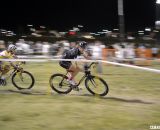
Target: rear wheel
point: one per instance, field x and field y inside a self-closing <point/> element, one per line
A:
<point x="96" y="86"/>
<point x="23" y="80"/>
<point x="59" y="83"/>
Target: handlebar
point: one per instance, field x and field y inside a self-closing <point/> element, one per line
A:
<point x="22" y="62"/>
<point x="19" y="64"/>
<point x="86" y="67"/>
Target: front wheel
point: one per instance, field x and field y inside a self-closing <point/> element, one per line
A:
<point x="96" y="86"/>
<point x="23" y="80"/>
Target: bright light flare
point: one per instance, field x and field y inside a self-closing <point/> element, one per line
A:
<point x="158" y="1"/>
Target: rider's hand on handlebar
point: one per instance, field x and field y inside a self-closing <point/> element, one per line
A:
<point x="16" y="66"/>
<point x="23" y="62"/>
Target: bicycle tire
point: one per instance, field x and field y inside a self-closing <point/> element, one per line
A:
<point x="56" y="86"/>
<point x="91" y="83"/>
<point x="16" y="81"/>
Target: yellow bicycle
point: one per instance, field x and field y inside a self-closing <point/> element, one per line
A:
<point x="20" y="78"/>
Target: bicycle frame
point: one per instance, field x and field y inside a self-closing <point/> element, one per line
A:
<point x="87" y="73"/>
<point x="15" y="70"/>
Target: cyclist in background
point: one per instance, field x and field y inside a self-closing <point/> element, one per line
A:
<point x="72" y="54"/>
<point x="9" y="53"/>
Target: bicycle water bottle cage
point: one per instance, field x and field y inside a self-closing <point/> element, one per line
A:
<point x="86" y="67"/>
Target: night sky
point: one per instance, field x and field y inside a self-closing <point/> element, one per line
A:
<point x="62" y="15"/>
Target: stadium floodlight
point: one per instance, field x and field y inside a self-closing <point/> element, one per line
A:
<point x="71" y="30"/>
<point x="141" y="31"/>
<point x="148" y="29"/>
<point x="116" y="29"/>
<point x="104" y="30"/>
<point x="32" y="29"/>
<point x="76" y="29"/>
<point x="92" y="33"/>
<point x="97" y="34"/>
<point x="109" y="31"/>
<point x="43" y="27"/>
<point x="100" y="32"/>
<point x="24" y="36"/>
<point x="80" y="26"/>
<point x="156" y="31"/>
<point x="29" y="25"/>
<point x="3" y="32"/>
<point x="63" y="33"/>
<point x="157" y="23"/>
<point x="158" y="2"/>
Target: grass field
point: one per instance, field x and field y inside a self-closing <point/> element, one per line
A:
<point x="131" y="104"/>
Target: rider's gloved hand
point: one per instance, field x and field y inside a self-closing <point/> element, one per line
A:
<point x="16" y="67"/>
<point x="23" y="62"/>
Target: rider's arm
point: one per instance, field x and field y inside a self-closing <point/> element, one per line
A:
<point x="15" y="57"/>
<point x="86" y="55"/>
<point x="11" y="63"/>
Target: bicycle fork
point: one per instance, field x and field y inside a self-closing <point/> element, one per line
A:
<point x="20" y="75"/>
<point x="93" y="82"/>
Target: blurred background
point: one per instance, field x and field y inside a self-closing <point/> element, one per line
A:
<point x="122" y="30"/>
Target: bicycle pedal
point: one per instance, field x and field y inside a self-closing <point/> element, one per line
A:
<point x="3" y="82"/>
<point x="75" y="88"/>
<point x="80" y="89"/>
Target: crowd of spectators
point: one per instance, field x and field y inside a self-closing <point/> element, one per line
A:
<point x="95" y="48"/>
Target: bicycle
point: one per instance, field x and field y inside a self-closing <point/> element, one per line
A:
<point x="58" y="82"/>
<point x="20" y="79"/>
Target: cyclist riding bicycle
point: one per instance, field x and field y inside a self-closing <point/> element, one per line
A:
<point x="72" y="54"/>
<point x="9" y="53"/>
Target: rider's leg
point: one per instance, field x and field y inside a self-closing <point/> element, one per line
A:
<point x="5" y="70"/>
<point x="73" y="70"/>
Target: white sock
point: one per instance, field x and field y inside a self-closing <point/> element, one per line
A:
<point x="2" y="77"/>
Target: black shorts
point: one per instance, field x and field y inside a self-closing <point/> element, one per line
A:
<point x="65" y="64"/>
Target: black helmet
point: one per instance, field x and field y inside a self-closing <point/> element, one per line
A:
<point x="83" y="44"/>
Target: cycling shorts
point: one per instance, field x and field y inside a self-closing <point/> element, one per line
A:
<point x="65" y="64"/>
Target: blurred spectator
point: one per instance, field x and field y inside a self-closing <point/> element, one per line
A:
<point x="54" y="48"/>
<point x="66" y="45"/>
<point x="110" y="53"/>
<point x="72" y="44"/>
<point x="45" y="48"/>
<point x="97" y="54"/>
<point x="142" y="50"/>
<point x="38" y="47"/>
<point x="97" y="50"/>
<point x="2" y="45"/>
<point x="155" y="51"/>
<point x="26" y="48"/>
<point x="120" y="51"/>
<point x="19" y="46"/>
<point x="130" y="53"/>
